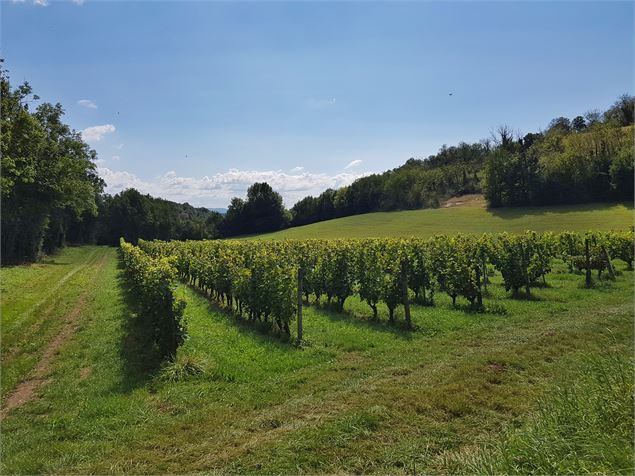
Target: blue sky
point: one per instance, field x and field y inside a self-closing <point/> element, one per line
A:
<point x="196" y="100"/>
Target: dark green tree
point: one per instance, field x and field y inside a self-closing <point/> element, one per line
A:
<point x="578" y="124"/>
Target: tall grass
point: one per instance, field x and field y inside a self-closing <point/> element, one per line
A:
<point x="585" y="426"/>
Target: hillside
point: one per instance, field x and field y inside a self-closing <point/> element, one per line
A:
<point x="471" y="217"/>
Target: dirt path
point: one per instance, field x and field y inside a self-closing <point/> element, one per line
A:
<point x="469" y="200"/>
<point x="52" y="291"/>
<point x="26" y="390"/>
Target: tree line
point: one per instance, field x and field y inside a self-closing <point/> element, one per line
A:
<point x="49" y="181"/>
<point x="586" y="159"/>
<point x="52" y="195"/>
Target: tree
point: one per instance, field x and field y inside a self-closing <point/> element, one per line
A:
<point x="578" y="124"/>
<point x="561" y="123"/>
<point x="621" y="113"/>
<point x="48" y="175"/>
<point x="503" y="137"/>
<point x="593" y="117"/>
<point x="263" y="211"/>
<point x="621" y="171"/>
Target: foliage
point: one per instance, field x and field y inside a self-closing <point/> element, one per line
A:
<point x="258" y="279"/>
<point x="262" y="211"/>
<point x="152" y="280"/>
<point x="133" y="216"/>
<point x="49" y="183"/>
<point x="416" y="184"/>
<point x="570" y="162"/>
<point x="451" y="386"/>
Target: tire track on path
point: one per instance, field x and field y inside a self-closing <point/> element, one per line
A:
<point x="60" y="283"/>
<point x="26" y="390"/>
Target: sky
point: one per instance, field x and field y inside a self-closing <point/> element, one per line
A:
<point x="196" y="100"/>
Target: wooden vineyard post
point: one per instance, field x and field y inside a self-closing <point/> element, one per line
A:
<point x="608" y="262"/>
<point x="300" y="304"/>
<point x="479" y="294"/>
<point x="485" y="277"/>
<point x="404" y="293"/>
<point x="587" y="263"/>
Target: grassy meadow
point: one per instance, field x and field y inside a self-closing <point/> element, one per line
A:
<point x="469" y="218"/>
<point x="530" y="386"/>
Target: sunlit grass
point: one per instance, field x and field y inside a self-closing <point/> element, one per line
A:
<point x="468" y="219"/>
<point x="359" y="397"/>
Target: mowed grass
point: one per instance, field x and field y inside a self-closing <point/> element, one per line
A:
<point x="471" y="218"/>
<point x="359" y="397"/>
<point x="33" y="302"/>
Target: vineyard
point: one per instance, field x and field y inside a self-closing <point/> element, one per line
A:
<point x="240" y="397"/>
<point x="269" y="282"/>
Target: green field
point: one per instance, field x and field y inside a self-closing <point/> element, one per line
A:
<point x="467" y="219"/>
<point x="536" y="386"/>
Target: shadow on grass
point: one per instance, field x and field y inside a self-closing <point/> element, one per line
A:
<point x="140" y="355"/>
<point x="397" y="328"/>
<point x="510" y="213"/>
<point x="263" y="332"/>
<point x="523" y="296"/>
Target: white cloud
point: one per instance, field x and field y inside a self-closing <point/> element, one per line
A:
<point x="318" y="104"/>
<point x="119" y="146"/>
<point x="78" y="2"/>
<point x="217" y="190"/>
<point x="87" y="103"/>
<point x="41" y="3"/>
<point x="115" y="157"/>
<point x="352" y="164"/>
<point x="296" y="169"/>
<point x="97" y="133"/>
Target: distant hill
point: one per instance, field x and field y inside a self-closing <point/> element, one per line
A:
<point x="222" y="211"/>
<point x="471" y="217"/>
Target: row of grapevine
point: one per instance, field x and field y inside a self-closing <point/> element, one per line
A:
<point x="254" y="282"/>
<point x="258" y="279"/>
<point x="153" y="282"/>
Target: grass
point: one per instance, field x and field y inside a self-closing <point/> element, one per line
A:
<point x="359" y="397"/>
<point x="34" y="299"/>
<point x="471" y="218"/>
<point x="583" y="427"/>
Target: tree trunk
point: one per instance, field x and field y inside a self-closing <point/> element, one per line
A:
<point x="374" y="308"/>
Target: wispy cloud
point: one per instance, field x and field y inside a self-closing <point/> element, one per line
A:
<point x="97" y="133"/>
<point x="87" y="103"/>
<point x="118" y="146"/>
<point x="318" y="104"/>
<point x="217" y="190"/>
<point x="45" y="3"/>
<point x="296" y="169"/>
<point x="352" y="164"/>
<point x="116" y="157"/>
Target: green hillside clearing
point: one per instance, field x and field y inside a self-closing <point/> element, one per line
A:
<point x="472" y="217"/>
